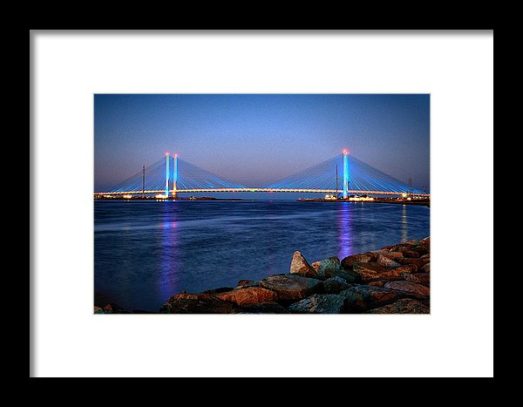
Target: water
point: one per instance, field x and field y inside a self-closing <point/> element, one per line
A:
<point x="147" y="251"/>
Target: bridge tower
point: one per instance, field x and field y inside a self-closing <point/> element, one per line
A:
<point x="345" y="173"/>
<point x="167" y="174"/>
<point x="175" y="173"/>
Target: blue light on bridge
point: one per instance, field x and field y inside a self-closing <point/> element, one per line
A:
<point x="345" y="173"/>
<point x="167" y="174"/>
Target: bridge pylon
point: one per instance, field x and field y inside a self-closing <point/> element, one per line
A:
<point x="345" y="173"/>
<point x="175" y="175"/>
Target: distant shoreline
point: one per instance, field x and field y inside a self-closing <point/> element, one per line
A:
<point x="376" y="200"/>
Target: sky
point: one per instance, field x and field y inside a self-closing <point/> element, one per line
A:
<point x="256" y="139"/>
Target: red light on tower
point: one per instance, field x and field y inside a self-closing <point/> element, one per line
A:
<point x="167" y="153"/>
<point x="175" y="155"/>
<point x="345" y="151"/>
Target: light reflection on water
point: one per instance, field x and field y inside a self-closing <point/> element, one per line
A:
<point x="168" y="263"/>
<point x="344" y="229"/>
<point x="404" y="224"/>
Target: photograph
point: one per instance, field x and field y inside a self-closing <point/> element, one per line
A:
<point x="262" y="203"/>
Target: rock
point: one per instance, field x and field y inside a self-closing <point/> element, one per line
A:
<point x="386" y="262"/>
<point x="265" y="308"/>
<point x="409" y="288"/>
<point x="349" y="276"/>
<point x="113" y="309"/>
<point x="98" y="310"/>
<point x="247" y="283"/>
<point x="291" y="286"/>
<point x="377" y="283"/>
<point x="347" y="262"/>
<point x="425" y="241"/>
<point x="300" y="266"/>
<point x="421" y="249"/>
<point x="334" y="285"/>
<point x="362" y="297"/>
<point x="396" y="273"/>
<point x="402" y="306"/>
<point x="407" y="268"/>
<point x="426" y="268"/>
<point x="319" y="304"/>
<point x="197" y="304"/>
<point x="368" y="271"/>
<point x="327" y="267"/>
<point x="218" y="290"/>
<point x="411" y="253"/>
<point x="248" y="296"/>
<point x="419" y="263"/>
<point x="393" y="254"/>
<point x="420" y="278"/>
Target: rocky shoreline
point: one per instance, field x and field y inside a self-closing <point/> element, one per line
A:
<point x="392" y="280"/>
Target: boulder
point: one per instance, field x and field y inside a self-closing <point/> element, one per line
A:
<point x="247" y="283"/>
<point x="411" y="253"/>
<point x="349" y="276"/>
<point x="377" y="283"/>
<point x="402" y="306"/>
<point x="248" y="296"/>
<point x="393" y="254"/>
<point x="197" y="304"/>
<point x="385" y="261"/>
<point x="98" y="310"/>
<point x="291" y="286"/>
<point x="348" y="261"/>
<point x="368" y="271"/>
<point x="300" y="266"/>
<point x="265" y="308"/>
<point x="421" y="249"/>
<point x="426" y="268"/>
<point x="420" y="278"/>
<point x="326" y="267"/>
<point x="409" y="288"/>
<point x="359" y="298"/>
<point x="419" y="263"/>
<point x="334" y="285"/>
<point x="396" y="273"/>
<point x="319" y="304"/>
<point x="407" y="268"/>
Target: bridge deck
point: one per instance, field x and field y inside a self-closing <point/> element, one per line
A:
<point x="295" y="190"/>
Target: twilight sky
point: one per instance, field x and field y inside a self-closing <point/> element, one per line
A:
<point x="254" y="139"/>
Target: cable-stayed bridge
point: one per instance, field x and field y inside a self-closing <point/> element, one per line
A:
<point x="342" y="174"/>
